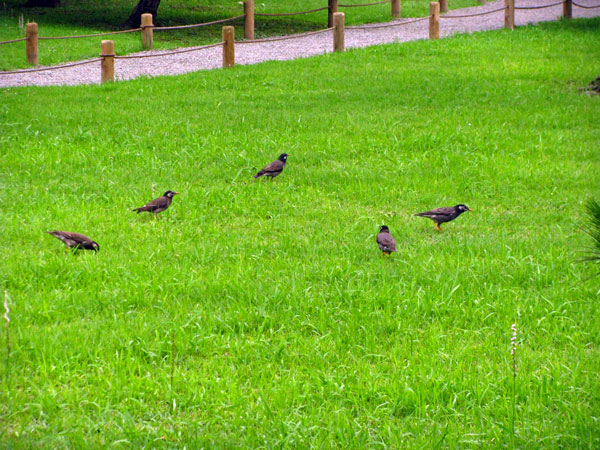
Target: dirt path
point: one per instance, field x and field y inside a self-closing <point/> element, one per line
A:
<point x="253" y="53"/>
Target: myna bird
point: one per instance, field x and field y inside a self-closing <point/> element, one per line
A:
<point x="75" y="240"/>
<point x="158" y="204"/>
<point x="273" y="169"/>
<point x="443" y="215"/>
<point x="386" y="242"/>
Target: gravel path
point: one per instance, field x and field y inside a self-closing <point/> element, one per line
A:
<point x="253" y="53"/>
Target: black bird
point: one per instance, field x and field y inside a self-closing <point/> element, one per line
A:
<point x="273" y="169"/>
<point x="75" y="240"/>
<point x="443" y="215"/>
<point x="158" y="204"/>
<point x="386" y="242"/>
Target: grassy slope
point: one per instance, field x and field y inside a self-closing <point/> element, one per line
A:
<point x="76" y="17"/>
<point x="290" y="330"/>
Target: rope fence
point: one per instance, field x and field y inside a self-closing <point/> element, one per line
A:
<point x="292" y="13"/>
<point x="336" y="19"/>
<point x="43" y="69"/>
<point x="284" y="38"/>
<point x="585" y="7"/>
<point x="108" y="33"/>
<point x="230" y="19"/>
<point x="387" y="25"/>
<point x="539" y="7"/>
<point x="14" y="40"/>
<point x="475" y="14"/>
<point x="197" y="25"/>
<point x="174" y="52"/>
<point x="131" y="30"/>
<point x="364" y="4"/>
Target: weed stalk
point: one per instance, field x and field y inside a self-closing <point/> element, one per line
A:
<point x="513" y="351"/>
<point x="172" y="361"/>
<point x="7" y="325"/>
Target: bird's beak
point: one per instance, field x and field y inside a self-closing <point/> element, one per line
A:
<point x="471" y="210"/>
<point x="177" y="193"/>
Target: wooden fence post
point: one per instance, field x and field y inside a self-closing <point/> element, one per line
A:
<point x="249" y="19"/>
<point x="228" y="46"/>
<point x="333" y="8"/>
<point x="434" y="20"/>
<point x="147" y="31"/>
<point x="443" y="6"/>
<point x="32" y="43"/>
<point x="396" y="9"/>
<point x="509" y="14"/>
<point x="107" y="65"/>
<point x="338" y="32"/>
<point x="568" y="9"/>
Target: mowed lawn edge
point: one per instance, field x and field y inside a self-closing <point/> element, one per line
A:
<point x="261" y="314"/>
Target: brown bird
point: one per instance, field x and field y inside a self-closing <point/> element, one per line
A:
<point x="158" y="204"/>
<point x="75" y="240"/>
<point x="274" y="168"/>
<point x="445" y="214"/>
<point x="386" y="242"/>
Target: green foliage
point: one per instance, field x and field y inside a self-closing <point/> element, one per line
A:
<point x="77" y="17"/>
<point x="290" y="329"/>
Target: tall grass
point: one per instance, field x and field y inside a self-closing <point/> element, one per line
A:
<point x="291" y="331"/>
<point x="7" y="328"/>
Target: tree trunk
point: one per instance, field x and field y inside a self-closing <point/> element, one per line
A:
<point x="143" y="7"/>
<point x="45" y="3"/>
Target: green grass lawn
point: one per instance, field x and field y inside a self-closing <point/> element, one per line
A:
<point x="261" y="314"/>
<point x="77" y="17"/>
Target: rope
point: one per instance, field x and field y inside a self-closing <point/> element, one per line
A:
<point x="292" y="14"/>
<point x="364" y="4"/>
<point x="80" y="63"/>
<point x="395" y="24"/>
<point x="45" y="38"/>
<point x="283" y="38"/>
<point x="174" y="52"/>
<point x="538" y="7"/>
<point x="586" y="7"/>
<point x="196" y="25"/>
<point x="473" y="15"/>
<point x="14" y="40"/>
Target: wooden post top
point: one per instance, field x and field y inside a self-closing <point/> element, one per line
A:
<point x="107" y="48"/>
<point x="146" y="20"/>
